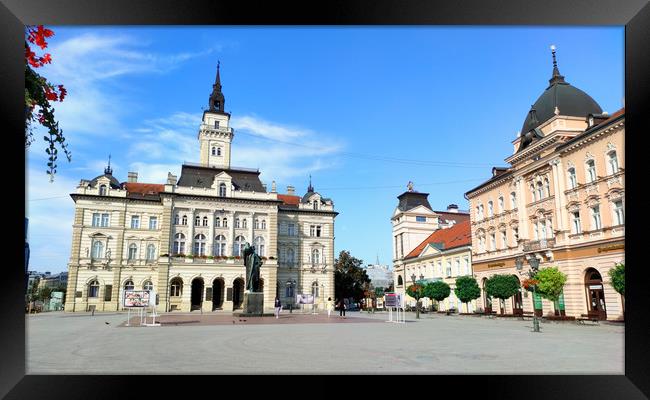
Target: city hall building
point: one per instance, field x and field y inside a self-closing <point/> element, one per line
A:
<point x="184" y="238"/>
<point x="560" y="203"/>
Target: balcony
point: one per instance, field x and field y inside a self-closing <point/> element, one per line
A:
<point x="536" y="245"/>
<point x="211" y="128"/>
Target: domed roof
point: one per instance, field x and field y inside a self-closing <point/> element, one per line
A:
<point x="568" y="100"/>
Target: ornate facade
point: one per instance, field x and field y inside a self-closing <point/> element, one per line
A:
<point x="184" y="238"/>
<point x="559" y="203"/>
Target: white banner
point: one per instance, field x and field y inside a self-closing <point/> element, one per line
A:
<point x="305" y="299"/>
<point x="137" y="298"/>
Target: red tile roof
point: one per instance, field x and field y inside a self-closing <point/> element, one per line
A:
<point x="456" y="236"/>
<point x="144" y="188"/>
<point x="289" y="199"/>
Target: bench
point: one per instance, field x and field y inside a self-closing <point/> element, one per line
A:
<point x="587" y="318"/>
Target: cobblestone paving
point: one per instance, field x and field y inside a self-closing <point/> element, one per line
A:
<point x="59" y="343"/>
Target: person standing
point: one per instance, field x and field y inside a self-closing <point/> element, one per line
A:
<point x="278" y="306"/>
<point x="342" y="308"/>
<point x="330" y="306"/>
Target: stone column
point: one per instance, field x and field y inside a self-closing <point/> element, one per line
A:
<point x="166" y="227"/>
<point x="190" y="233"/>
<point x="210" y="243"/>
<point x="231" y="235"/>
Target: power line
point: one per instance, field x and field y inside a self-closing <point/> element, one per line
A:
<point x="399" y="186"/>
<point x="48" y="198"/>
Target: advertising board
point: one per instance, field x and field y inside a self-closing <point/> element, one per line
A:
<point x="137" y="298"/>
<point x="304" y="299"/>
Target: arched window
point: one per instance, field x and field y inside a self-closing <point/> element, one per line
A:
<point x="151" y="252"/>
<point x="513" y="200"/>
<point x="263" y="224"/>
<point x="315" y="204"/>
<point x="98" y="249"/>
<point x="217" y="222"/>
<point x="501" y="205"/>
<point x="179" y="243"/>
<point x="225" y="222"/>
<point x="176" y="287"/>
<point x="259" y="246"/>
<point x="205" y="221"/>
<point x="290" y="255"/>
<point x="128" y="285"/>
<point x="102" y="190"/>
<point x="244" y="223"/>
<point x="540" y="190"/>
<point x="93" y="288"/>
<point x="533" y="195"/>
<point x="238" y="247"/>
<point x="573" y="182"/>
<point x="490" y="208"/>
<point x="133" y="251"/>
<point x="612" y="162"/>
<point x="220" y="245"/>
<point x="197" y="221"/>
<point x="176" y="219"/>
<point x="184" y="220"/>
<point x="199" y="245"/>
<point x="315" y="256"/>
<point x="214" y="151"/>
<point x="237" y="224"/>
<point x="218" y="151"/>
<point x="147" y="285"/>
<point x="256" y="223"/>
<point x="314" y="289"/>
<point x="547" y="187"/>
<point x="222" y="189"/>
<point x="591" y="171"/>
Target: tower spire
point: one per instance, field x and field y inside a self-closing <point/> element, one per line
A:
<point x="310" y="188"/>
<point x="557" y="77"/>
<point x="108" y="170"/>
<point x="217" y="100"/>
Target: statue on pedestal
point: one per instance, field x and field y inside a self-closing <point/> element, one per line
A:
<point x="253" y="262"/>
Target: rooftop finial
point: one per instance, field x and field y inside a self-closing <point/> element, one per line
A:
<point x="108" y="170"/>
<point x="409" y="186"/>
<point x="310" y="188"/>
<point x="556" y="78"/>
<point x="218" y="81"/>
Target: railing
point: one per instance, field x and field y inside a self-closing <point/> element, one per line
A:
<point x="218" y="129"/>
<point x="539" y="244"/>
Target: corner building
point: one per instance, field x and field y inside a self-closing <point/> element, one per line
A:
<point x="560" y="203"/>
<point x="184" y="238"/>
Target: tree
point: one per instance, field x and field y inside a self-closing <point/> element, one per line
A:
<point x="416" y="291"/>
<point x="550" y="283"/>
<point x="38" y="95"/>
<point x="467" y="289"/>
<point x="502" y="287"/>
<point x="379" y="292"/>
<point x="617" y="274"/>
<point x="349" y="277"/>
<point x="437" y="291"/>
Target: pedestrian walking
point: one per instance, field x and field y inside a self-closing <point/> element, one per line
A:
<point x="278" y="306"/>
<point x="342" y="308"/>
<point x="330" y="306"/>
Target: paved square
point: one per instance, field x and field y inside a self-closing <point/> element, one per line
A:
<point x="59" y="343"/>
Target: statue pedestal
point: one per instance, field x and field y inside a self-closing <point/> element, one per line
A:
<point x="253" y="305"/>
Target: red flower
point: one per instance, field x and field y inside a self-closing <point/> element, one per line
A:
<point x="63" y="92"/>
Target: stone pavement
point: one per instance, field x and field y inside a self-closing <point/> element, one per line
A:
<point x="59" y="343"/>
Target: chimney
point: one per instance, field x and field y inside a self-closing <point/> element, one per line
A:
<point x="291" y="191"/>
<point x="452" y="208"/>
<point x="133" y="177"/>
<point x="171" y="179"/>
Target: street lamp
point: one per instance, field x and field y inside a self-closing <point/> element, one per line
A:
<point x="290" y="286"/>
<point x="534" y="265"/>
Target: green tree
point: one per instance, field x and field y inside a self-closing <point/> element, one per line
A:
<point x="550" y="284"/>
<point x="437" y="291"/>
<point x="349" y="277"/>
<point x="379" y="292"/>
<point x="617" y="274"/>
<point x="416" y="291"/>
<point x="502" y="287"/>
<point x="467" y="289"/>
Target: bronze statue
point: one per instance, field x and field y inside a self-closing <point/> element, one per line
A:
<point x="253" y="262"/>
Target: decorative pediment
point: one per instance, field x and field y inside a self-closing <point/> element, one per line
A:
<point x="592" y="200"/>
<point x="615" y="194"/>
<point x="573" y="206"/>
<point x="589" y="156"/>
<point x="610" y="146"/>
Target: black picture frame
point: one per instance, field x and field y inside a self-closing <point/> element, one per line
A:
<point x="635" y="15"/>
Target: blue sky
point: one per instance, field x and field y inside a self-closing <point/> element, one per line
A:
<point x="363" y="110"/>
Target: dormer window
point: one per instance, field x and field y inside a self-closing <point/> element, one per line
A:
<point x="102" y="190"/>
<point x="591" y="121"/>
<point x="315" y="204"/>
<point x="216" y="123"/>
<point x="222" y="190"/>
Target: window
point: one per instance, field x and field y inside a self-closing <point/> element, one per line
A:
<point x="612" y="162"/>
<point x="540" y="190"/>
<point x="214" y="150"/>
<point x="98" y="249"/>
<point x="128" y="285"/>
<point x="533" y="195"/>
<point x="225" y="222"/>
<point x="504" y="239"/>
<point x="147" y="285"/>
<point x="542" y="229"/>
<point x="291" y="255"/>
<point x="104" y="220"/>
<point x="467" y="269"/>
<point x="197" y="221"/>
<point x="315" y="204"/>
<point x="93" y="289"/>
<point x="536" y="230"/>
<point x="572" y="178"/>
<point x="240" y="242"/>
<point x="222" y="190"/>
<point x="135" y="221"/>
<point x="176" y="287"/>
<point x="591" y="171"/>
<point x="576" y="222"/>
<point x="102" y="190"/>
<point x="179" y="243"/>
<point x="501" y="204"/>
<point x="184" y="220"/>
<point x="263" y="224"/>
<point x="176" y="219"/>
<point x="515" y="235"/>
<point x="478" y="215"/>
<point x="318" y="230"/>
<point x="312" y="230"/>
<point x="314" y="289"/>
<point x="96" y="219"/>
<point x="595" y="218"/>
<point x="289" y="290"/>
<point x="237" y="224"/>
<point x="244" y="223"/>
<point x="216" y="123"/>
<point x="291" y="230"/>
<point x="256" y="223"/>
<point x="480" y="211"/>
<point x="490" y="208"/>
<point x="217" y="222"/>
<point x="547" y="188"/>
<point x="220" y="246"/>
<point x="448" y="269"/>
<point x="513" y="200"/>
<point x="151" y="252"/>
<point x="458" y="266"/>
<point x="205" y="221"/>
<point x="493" y="241"/>
<point x="133" y="251"/>
<point x="199" y="245"/>
<point x="219" y="151"/>
<point x="259" y="246"/>
<point x="619" y="216"/>
<point x="315" y="256"/>
<point x="420" y="218"/>
<point x="153" y="222"/>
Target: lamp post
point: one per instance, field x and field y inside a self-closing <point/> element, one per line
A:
<point x="417" y="306"/>
<point x="534" y="266"/>
<point x="290" y="285"/>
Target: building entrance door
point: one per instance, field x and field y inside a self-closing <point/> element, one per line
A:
<point x="197" y="294"/>
<point x="217" y="294"/>
<point x="595" y="295"/>
<point x="237" y="293"/>
<point x="517" y="302"/>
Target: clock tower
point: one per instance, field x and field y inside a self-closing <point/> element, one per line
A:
<point x="215" y="135"/>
